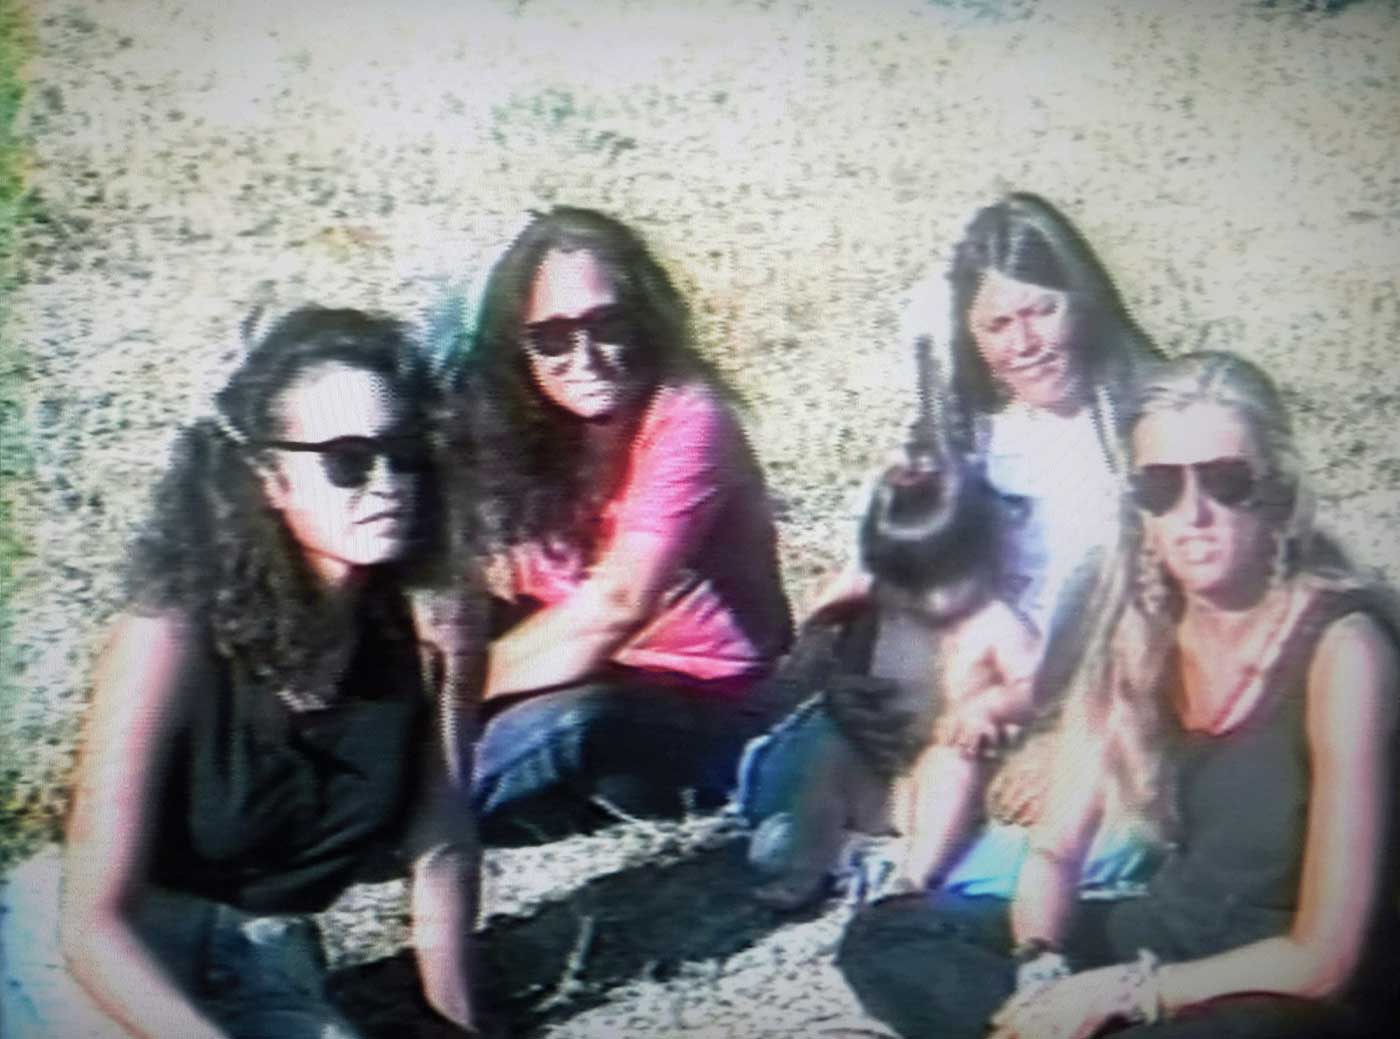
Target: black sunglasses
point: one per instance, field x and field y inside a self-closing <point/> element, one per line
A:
<point x="1227" y="481"/>
<point x="605" y="326"/>
<point x="348" y="461"/>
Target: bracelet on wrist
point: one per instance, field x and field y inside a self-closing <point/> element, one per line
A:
<point x="1140" y="990"/>
<point x="1038" y="965"/>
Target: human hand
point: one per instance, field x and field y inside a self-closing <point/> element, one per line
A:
<point x="1078" y="1006"/>
<point x="973" y="728"/>
<point x="1017" y="793"/>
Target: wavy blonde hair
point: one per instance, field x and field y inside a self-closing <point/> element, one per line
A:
<point x="1119" y="686"/>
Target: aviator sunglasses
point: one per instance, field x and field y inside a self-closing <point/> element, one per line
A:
<point x="608" y="326"/>
<point x="348" y="461"/>
<point x="1230" y="482"/>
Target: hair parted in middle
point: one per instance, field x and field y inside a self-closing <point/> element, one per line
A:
<point x="533" y="479"/>
<point x="1119" y="685"/>
<point x="1024" y="237"/>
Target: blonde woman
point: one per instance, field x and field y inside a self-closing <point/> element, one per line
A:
<point x="1240" y="692"/>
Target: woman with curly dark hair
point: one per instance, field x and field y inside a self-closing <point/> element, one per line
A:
<point x="624" y="517"/>
<point x="261" y="714"/>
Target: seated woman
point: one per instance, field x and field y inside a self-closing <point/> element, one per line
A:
<point x="1240" y="691"/>
<point x="625" y="522"/>
<point x="1043" y="354"/>
<point x="261" y="719"/>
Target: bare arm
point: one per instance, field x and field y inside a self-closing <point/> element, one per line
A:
<point x="990" y="680"/>
<point x="1049" y="876"/>
<point x="1351" y="718"/>
<point x="566" y="641"/>
<point x="120" y="782"/>
<point x="445" y="889"/>
<point x="678" y="475"/>
<point x="446" y="885"/>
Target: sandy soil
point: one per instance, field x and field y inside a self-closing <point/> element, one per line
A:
<point x="798" y="164"/>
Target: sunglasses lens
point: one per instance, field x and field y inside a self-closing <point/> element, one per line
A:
<point x="550" y="338"/>
<point x="1230" y="481"/>
<point x="613" y="329"/>
<point x="557" y="337"/>
<point x="348" y="465"/>
<point x="1157" y="487"/>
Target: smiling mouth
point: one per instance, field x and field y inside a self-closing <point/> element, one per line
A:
<point x="1037" y="364"/>
<point x="1197" y="549"/>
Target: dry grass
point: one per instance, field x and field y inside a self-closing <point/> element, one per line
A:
<point x="799" y="164"/>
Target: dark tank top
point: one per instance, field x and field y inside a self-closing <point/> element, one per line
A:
<point x="1234" y="878"/>
<point x="275" y="811"/>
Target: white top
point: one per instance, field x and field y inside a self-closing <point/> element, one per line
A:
<point x="1056" y="466"/>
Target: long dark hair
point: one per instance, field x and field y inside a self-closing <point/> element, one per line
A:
<point x="215" y="550"/>
<point x="533" y="478"/>
<point x="1026" y="238"/>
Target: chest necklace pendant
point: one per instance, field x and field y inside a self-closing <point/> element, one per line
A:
<point x="1225" y="716"/>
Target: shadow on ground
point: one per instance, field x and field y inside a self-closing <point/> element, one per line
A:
<point x="643" y="922"/>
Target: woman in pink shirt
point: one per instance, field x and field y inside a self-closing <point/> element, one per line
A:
<point x="623" y="526"/>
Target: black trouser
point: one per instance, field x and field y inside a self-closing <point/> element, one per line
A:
<point x="938" y="967"/>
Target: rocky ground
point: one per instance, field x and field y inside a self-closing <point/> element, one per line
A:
<point x="798" y="165"/>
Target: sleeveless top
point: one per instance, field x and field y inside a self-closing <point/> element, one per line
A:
<point x="1243" y="795"/>
<point x="273" y="811"/>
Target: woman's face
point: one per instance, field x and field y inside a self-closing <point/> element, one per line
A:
<point x="1025" y="334"/>
<point x="1194" y="458"/>
<point x="576" y="337"/>
<point x="344" y="479"/>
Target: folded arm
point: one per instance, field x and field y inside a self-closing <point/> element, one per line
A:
<point x="566" y="641"/>
<point x="679" y="472"/>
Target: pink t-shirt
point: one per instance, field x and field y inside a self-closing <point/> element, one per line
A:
<point x="691" y="475"/>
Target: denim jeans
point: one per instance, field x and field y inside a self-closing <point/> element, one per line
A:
<point x="775" y="766"/>
<point x="543" y="762"/>
<point x="257" y="977"/>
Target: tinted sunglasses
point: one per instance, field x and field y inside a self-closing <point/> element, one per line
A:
<point x="604" y="326"/>
<point x="349" y="461"/>
<point x="1226" y="481"/>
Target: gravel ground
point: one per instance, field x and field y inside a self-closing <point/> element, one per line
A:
<point x="798" y="164"/>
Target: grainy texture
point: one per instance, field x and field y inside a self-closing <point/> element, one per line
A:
<point x="798" y="165"/>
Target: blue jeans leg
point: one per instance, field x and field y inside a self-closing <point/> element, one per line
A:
<point x="266" y="979"/>
<point x="257" y="977"/>
<point x="636" y="746"/>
